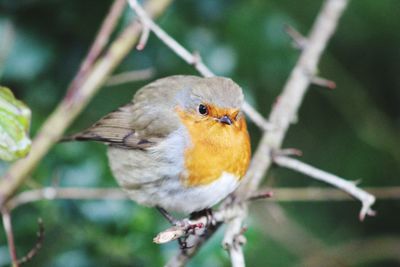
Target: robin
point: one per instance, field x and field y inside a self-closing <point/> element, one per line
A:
<point x="180" y="145"/>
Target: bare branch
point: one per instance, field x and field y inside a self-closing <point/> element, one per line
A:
<point x="190" y="58"/>
<point x="366" y="199"/>
<point x="257" y="118"/>
<point x="234" y="239"/>
<point x="285" y="110"/>
<point x="279" y="194"/>
<point x="98" y="45"/>
<point x="329" y="194"/>
<point x="183" y="256"/>
<point x="169" y="41"/>
<point x="51" y="193"/>
<point x="10" y="236"/>
<point x="54" y="127"/>
<point x="261" y="195"/>
<point x="130" y="76"/>
<point x="11" y="243"/>
<point x="38" y="245"/>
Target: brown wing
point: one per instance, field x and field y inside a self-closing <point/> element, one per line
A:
<point x="116" y="129"/>
<point x="145" y="121"/>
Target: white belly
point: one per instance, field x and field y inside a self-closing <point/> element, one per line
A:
<point x="151" y="178"/>
<point x="174" y="196"/>
<point x="159" y="185"/>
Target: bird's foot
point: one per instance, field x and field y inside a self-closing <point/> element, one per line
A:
<point x="208" y="213"/>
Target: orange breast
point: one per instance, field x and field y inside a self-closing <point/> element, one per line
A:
<point x="215" y="148"/>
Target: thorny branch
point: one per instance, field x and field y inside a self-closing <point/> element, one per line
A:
<point x="279" y="194"/>
<point x="67" y="110"/>
<point x="190" y="58"/>
<point x="6" y="216"/>
<point x="93" y="73"/>
<point x="10" y="236"/>
<point x="98" y="46"/>
<point x="130" y="76"/>
<point x="350" y="187"/>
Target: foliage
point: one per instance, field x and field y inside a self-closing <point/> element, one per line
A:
<point x="15" y="119"/>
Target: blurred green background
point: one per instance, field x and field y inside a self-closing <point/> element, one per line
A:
<point x="352" y="131"/>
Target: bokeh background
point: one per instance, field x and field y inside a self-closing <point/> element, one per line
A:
<point x="352" y="131"/>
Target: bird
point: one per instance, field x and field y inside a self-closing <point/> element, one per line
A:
<point x="180" y="145"/>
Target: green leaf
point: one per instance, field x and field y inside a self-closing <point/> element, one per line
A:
<point x="15" y="119"/>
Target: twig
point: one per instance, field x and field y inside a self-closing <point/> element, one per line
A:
<point x="10" y="236"/>
<point x="261" y="195"/>
<point x="169" y="41"/>
<point x="366" y="199"/>
<point x="285" y="110"/>
<point x="300" y="42"/>
<point x="323" y="82"/>
<point x="98" y="46"/>
<point x="143" y="37"/>
<point x="257" y="118"/>
<point x="192" y="227"/>
<point x="329" y="194"/>
<point x="290" y="152"/>
<point x="234" y="239"/>
<point x="52" y="130"/>
<point x="51" y="193"/>
<point x="190" y="58"/>
<point x="278" y="194"/>
<point x="38" y="245"/>
<point x="130" y="76"/>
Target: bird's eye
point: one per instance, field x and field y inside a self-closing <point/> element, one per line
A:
<point x="203" y="110"/>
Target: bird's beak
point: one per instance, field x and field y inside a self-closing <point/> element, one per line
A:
<point x="226" y="120"/>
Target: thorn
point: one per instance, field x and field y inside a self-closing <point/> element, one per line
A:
<point x="244" y="229"/>
<point x="289" y="152"/>
<point x="240" y="240"/>
<point x="366" y="208"/>
<point x="262" y="195"/>
<point x="323" y="82"/>
<point x="276" y="102"/>
<point x="196" y="58"/>
<point x="143" y="37"/>
<point x="299" y="41"/>
<point x="371" y="212"/>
